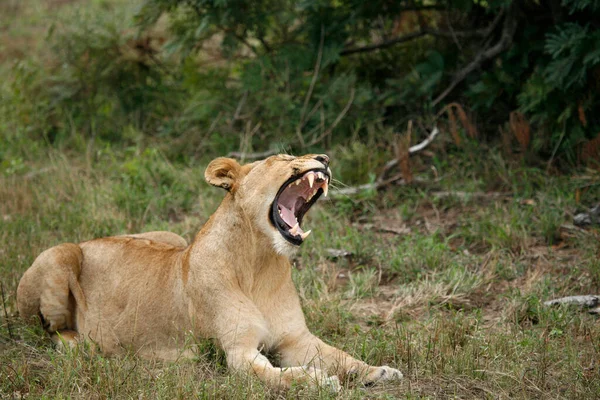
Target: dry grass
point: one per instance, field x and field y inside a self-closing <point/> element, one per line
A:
<point x="453" y="299"/>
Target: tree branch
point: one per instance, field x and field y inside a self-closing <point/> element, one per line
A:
<point x="385" y="44"/>
<point x="412" y="36"/>
<point x="508" y="31"/>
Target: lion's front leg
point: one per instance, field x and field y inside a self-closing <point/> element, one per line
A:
<point x="308" y="349"/>
<point x="250" y="360"/>
<point x="240" y="331"/>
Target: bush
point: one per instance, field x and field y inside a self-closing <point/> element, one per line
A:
<point x="208" y="77"/>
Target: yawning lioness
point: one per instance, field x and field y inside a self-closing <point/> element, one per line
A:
<point x="233" y="283"/>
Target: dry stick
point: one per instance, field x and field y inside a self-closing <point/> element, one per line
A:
<point x="467" y="195"/>
<point x="10" y="334"/>
<point x="381" y="182"/>
<point x="414" y="149"/>
<point x="238" y="110"/>
<point x="247" y="139"/>
<point x="508" y="31"/>
<point x="311" y="87"/>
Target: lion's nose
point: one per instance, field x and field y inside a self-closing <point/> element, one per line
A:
<point x="324" y="159"/>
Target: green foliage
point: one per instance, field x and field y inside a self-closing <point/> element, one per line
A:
<point x="209" y="77"/>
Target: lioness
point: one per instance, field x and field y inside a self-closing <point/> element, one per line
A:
<point x="233" y="283"/>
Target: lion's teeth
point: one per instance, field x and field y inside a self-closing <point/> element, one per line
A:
<point x="321" y="176"/>
<point x="305" y="234"/>
<point x="297" y="182"/>
<point x="325" y="188"/>
<point x="294" y="230"/>
<point x="311" y="179"/>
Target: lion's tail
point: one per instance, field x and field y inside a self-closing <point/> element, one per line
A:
<point x="50" y="288"/>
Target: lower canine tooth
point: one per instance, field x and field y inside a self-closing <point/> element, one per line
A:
<point x="325" y="189"/>
<point x="294" y="230"/>
<point x="305" y="234"/>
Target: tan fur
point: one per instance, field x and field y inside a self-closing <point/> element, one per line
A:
<point x="147" y="292"/>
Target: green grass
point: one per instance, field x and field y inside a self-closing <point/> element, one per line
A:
<point x="455" y="303"/>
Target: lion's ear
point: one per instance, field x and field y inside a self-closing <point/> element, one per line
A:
<point x="222" y="172"/>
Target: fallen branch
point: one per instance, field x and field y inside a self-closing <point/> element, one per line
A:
<point x="470" y="195"/>
<point x="33" y="174"/>
<point x="351" y="190"/>
<point x="588" y="301"/>
<point x="413" y="149"/>
<point x="381" y="181"/>
<point x="338" y="253"/>
<point x="404" y="230"/>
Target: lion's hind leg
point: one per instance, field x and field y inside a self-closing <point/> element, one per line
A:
<point x="50" y="288"/>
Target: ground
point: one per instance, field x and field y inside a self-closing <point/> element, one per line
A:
<point x="447" y="288"/>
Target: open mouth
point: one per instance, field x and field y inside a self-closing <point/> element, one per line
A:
<point x="293" y="201"/>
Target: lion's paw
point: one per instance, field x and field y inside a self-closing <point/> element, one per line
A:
<point x="381" y="374"/>
<point x="332" y="383"/>
<point x="320" y="379"/>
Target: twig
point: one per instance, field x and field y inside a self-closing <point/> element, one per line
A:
<point x="350" y="190"/>
<point x="413" y="149"/>
<point x="238" y="110"/>
<point x="412" y="36"/>
<point x="398" y="179"/>
<point x="562" y="136"/>
<point x="467" y="195"/>
<point x="508" y="31"/>
<point x="494" y="24"/>
<point x="336" y="122"/>
<point x="311" y="87"/>
<point x="266" y="45"/>
<point x="33" y="174"/>
<point x="10" y="334"/>
<point x="384" y="44"/>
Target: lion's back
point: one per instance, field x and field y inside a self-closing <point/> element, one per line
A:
<point x="132" y="287"/>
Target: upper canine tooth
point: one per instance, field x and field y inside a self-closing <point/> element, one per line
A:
<point x="305" y="234"/>
<point x="311" y="179"/>
<point x="321" y="176"/>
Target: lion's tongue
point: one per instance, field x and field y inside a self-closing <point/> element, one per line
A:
<point x="289" y="218"/>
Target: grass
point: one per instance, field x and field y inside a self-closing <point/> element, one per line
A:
<point x="448" y="289"/>
<point x="454" y="302"/>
